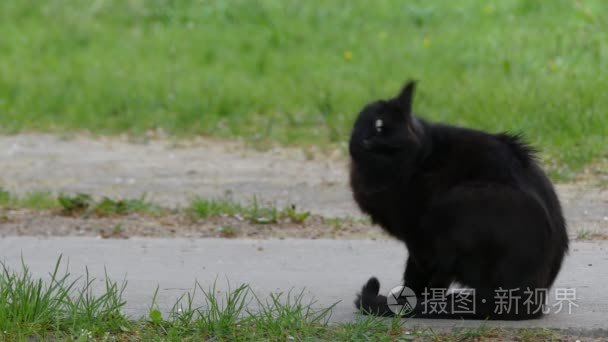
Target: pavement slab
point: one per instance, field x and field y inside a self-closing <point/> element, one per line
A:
<point x="329" y="271"/>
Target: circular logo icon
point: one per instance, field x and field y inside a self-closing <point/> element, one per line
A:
<point x="401" y="300"/>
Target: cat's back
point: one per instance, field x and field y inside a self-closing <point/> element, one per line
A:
<point x="462" y="155"/>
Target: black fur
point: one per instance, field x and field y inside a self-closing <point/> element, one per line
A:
<point x="472" y="207"/>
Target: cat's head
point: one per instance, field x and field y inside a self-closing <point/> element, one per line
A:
<point x="386" y="132"/>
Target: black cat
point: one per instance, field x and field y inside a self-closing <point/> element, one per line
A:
<point x="472" y="207"/>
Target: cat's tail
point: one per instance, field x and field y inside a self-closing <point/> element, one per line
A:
<point x="370" y="302"/>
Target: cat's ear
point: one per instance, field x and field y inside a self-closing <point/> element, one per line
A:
<point x="405" y="98"/>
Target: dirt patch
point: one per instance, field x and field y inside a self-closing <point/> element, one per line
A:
<point x="171" y="173"/>
<point x="50" y="223"/>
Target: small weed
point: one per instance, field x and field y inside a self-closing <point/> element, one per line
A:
<point x="82" y="204"/>
<point x="38" y="200"/>
<point x="117" y="232"/>
<point x="537" y="335"/>
<point x="361" y="329"/>
<point x="296" y="216"/>
<point x="75" y="204"/>
<point x="111" y="207"/>
<point x="480" y="332"/>
<point x="5" y="197"/>
<point x="585" y="234"/>
<point x="340" y="223"/>
<point x="78" y="204"/>
<point x="117" y="229"/>
<point x="229" y="231"/>
<point x="337" y="223"/>
<point x="255" y="213"/>
<point x="204" y="208"/>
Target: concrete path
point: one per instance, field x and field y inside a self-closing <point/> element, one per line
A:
<point x="330" y="270"/>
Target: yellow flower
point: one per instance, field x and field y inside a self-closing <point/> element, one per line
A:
<point x="348" y="55"/>
<point x="489" y="9"/>
<point x="426" y="42"/>
<point x="554" y="65"/>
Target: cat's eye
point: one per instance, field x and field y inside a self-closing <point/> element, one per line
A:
<point x="379" y="125"/>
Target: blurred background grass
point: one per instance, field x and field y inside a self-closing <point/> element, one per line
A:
<point x="297" y="72"/>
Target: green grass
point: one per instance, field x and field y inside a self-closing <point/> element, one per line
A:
<point x="78" y="204"/>
<point x="585" y="234"/>
<point x="73" y="204"/>
<point x="37" y="200"/>
<point x="66" y="307"/>
<point x="229" y="231"/>
<point x="112" y="207"/>
<point x="254" y="212"/>
<point x="298" y="71"/>
<point x="32" y="307"/>
<point x="204" y="207"/>
<point x="85" y="205"/>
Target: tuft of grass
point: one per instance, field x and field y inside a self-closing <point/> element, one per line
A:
<point x="38" y="200"/>
<point x="112" y="207"/>
<point x="296" y="216"/>
<point x="78" y="204"/>
<point x="83" y="204"/>
<point x="585" y="234"/>
<point x="539" y="335"/>
<point x="229" y="231"/>
<point x="260" y="214"/>
<point x="204" y="207"/>
<point x="481" y="332"/>
<point x="75" y="204"/>
<point x="368" y="328"/>
<point x="289" y="315"/>
<point x="5" y="197"/>
<point x="216" y="318"/>
<point x="29" y="304"/>
<point x="255" y="212"/>
<point x="32" y="307"/>
<point x="298" y="72"/>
